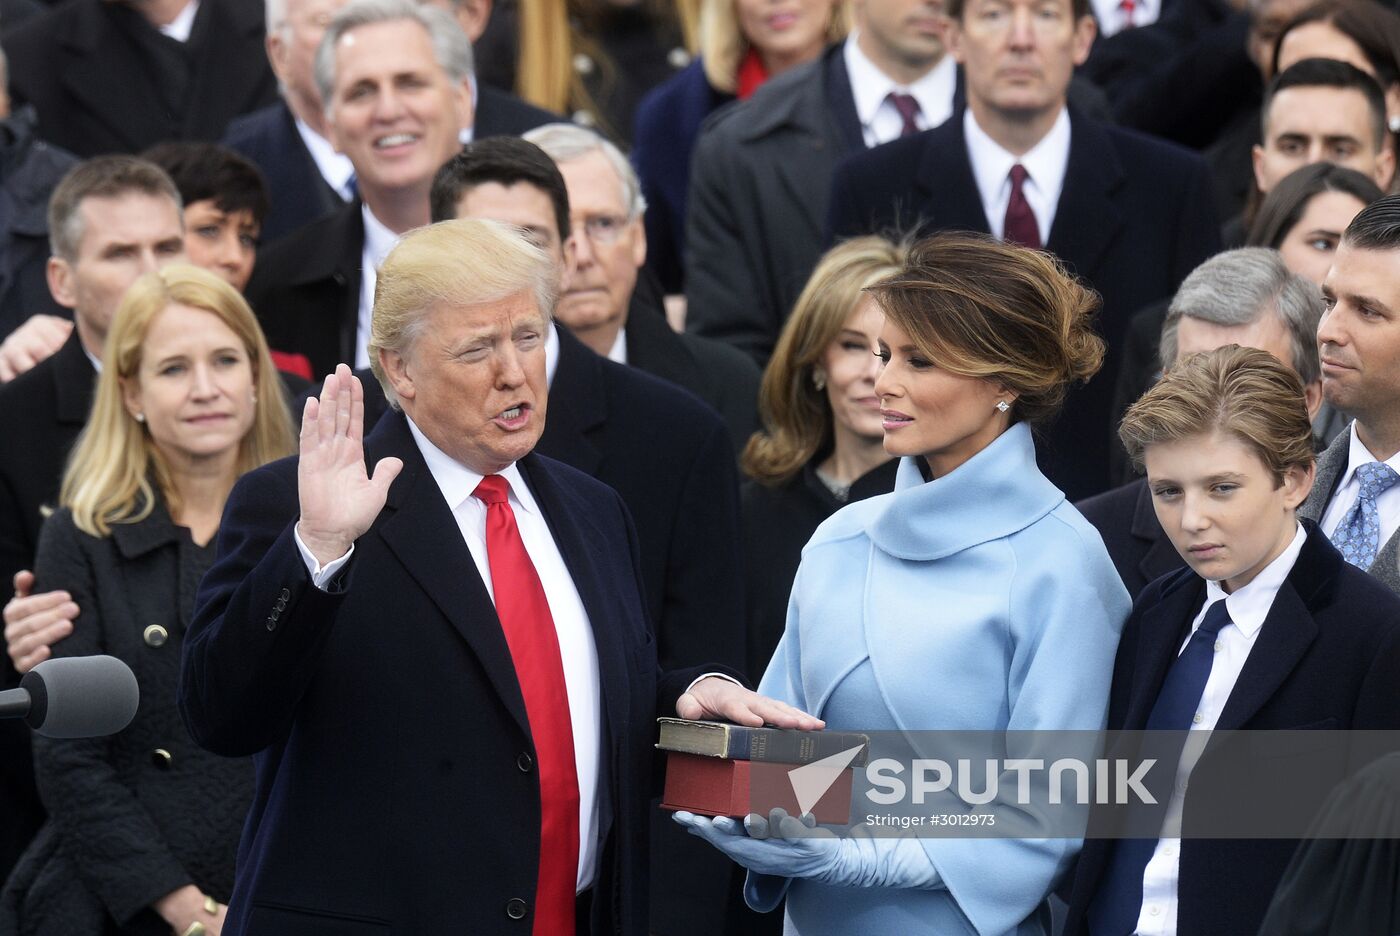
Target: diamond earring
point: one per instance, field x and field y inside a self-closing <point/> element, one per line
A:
<point x="1003" y="406"/>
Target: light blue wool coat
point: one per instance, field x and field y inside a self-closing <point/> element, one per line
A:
<point x="980" y="600"/>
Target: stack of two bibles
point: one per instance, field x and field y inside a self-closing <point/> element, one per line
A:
<point x="719" y="769"/>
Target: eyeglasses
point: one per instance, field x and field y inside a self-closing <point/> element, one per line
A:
<point x="603" y="229"/>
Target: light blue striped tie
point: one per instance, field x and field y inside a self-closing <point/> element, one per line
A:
<point x="1358" y="536"/>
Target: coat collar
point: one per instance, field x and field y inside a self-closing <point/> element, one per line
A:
<point x="806" y="98"/>
<point x="812" y="103"/>
<point x="652" y="346"/>
<point x="1288" y="630"/>
<point x="335" y="252"/>
<point x="1331" y="465"/>
<point x="997" y="492"/>
<point x="134" y="540"/>
<point x="578" y="406"/>
<point x="1087" y="220"/>
<point x="75" y="381"/>
<point x="418" y="527"/>
<point x="945" y="182"/>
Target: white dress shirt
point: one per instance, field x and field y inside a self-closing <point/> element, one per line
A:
<point x="1344" y="498"/>
<point x="618" y="352"/>
<point x="1045" y="165"/>
<point x="182" y="25"/>
<point x="1248" y="607"/>
<point x="379" y="240"/>
<point x="334" y="167"/>
<point x="576" y="647"/>
<point x="1113" y="19"/>
<point x="879" y="120"/>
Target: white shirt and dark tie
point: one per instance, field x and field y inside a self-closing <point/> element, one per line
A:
<point x="878" y="97"/>
<point x="1247" y="606"/>
<point x="1045" y="165"/>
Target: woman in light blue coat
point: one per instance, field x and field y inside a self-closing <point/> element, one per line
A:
<point x="972" y="597"/>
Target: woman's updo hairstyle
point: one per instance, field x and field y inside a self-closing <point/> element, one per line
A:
<point x="979" y="307"/>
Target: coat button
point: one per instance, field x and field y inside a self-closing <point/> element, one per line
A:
<point x="155" y="636"/>
<point x="525" y="762"/>
<point x="286" y="595"/>
<point x="517" y="908"/>
<point x="162" y="759"/>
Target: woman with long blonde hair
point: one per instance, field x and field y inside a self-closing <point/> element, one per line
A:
<point x="143" y="827"/>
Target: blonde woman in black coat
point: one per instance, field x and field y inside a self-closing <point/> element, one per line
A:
<point x="143" y="826"/>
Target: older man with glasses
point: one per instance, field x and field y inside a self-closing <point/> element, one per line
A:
<point x="614" y="311"/>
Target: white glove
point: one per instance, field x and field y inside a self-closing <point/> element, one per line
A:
<point x="783" y="846"/>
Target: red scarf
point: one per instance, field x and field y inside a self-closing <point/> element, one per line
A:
<point x="751" y="74"/>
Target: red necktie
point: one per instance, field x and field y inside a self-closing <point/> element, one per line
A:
<point x="1129" y="7"/>
<point x="1020" y="227"/>
<point x="534" y="647"/>
<point x="909" y="110"/>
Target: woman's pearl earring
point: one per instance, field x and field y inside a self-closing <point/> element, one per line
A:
<point x="819" y="380"/>
<point x="140" y="417"/>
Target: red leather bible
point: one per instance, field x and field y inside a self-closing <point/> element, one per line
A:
<point x="716" y="786"/>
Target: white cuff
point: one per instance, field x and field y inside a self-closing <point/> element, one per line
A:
<point x="319" y="575"/>
<point x="707" y="676"/>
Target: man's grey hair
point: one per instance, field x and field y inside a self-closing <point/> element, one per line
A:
<point x="115" y="176"/>
<point x="1238" y="286"/>
<point x="451" y="47"/>
<point x="276" y="11"/>
<point x="564" y="142"/>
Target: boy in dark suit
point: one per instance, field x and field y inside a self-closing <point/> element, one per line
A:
<point x="1268" y="628"/>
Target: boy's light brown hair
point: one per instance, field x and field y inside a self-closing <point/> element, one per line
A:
<point x="1244" y="392"/>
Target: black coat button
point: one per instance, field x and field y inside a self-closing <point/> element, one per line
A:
<point x="286" y="594"/>
<point x="517" y="908"/>
<point x="162" y="759"/>
<point x="525" y="762"/>
<point x="155" y="636"/>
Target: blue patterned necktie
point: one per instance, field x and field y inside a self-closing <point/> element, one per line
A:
<point x="1358" y="536"/>
<point x="1118" y="901"/>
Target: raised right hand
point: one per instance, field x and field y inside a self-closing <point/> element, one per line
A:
<point x="339" y="499"/>
<point x="34" y="623"/>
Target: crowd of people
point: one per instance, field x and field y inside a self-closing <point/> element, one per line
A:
<point x="960" y="364"/>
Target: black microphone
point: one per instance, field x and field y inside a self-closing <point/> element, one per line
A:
<point x="74" y="697"/>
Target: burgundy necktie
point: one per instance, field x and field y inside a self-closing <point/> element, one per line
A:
<point x="534" y="647"/>
<point x="1020" y="227"/>
<point x="909" y="112"/>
